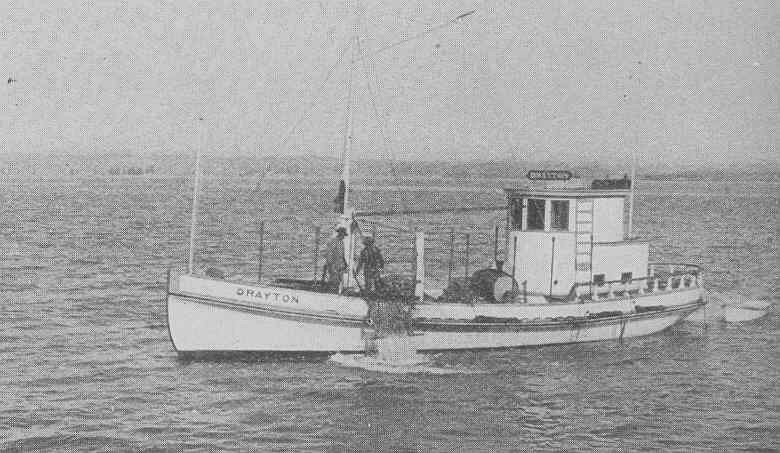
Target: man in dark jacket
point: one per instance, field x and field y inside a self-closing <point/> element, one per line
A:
<point x="372" y="263"/>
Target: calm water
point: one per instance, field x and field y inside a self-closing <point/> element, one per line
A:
<point x="87" y="363"/>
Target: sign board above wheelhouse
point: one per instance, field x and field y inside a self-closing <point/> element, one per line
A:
<point x="549" y="175"/>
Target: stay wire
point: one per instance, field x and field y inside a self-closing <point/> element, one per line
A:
<point x="291" y="131"/>
<point x="331" y="70"/>
<point x="380" y="124"/>
<point x="417" y="36"/>
<point x="380" y="121"/>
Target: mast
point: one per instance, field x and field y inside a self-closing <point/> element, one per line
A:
<point x="633" y="155"/>
<point x="348" y="136"/>
<point x="631" y="195"/>
<point x="195" y="190"/>
<point x="348" y="141"/>
<point x="342" y="197"/>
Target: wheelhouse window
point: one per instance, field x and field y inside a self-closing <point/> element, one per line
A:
<point x="626" y="277"/>
<point x="516" y="213"/>
<point x="560" y="215"/>
<point x="535" y="214"/>
<point x="598" y="279"/>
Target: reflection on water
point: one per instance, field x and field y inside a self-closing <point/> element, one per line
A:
<point x="88" y="364"/>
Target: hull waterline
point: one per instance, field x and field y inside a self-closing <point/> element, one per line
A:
<point x="208" y="324"/>
<point x="562" y="332"/>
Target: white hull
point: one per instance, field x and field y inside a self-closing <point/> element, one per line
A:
<point x="196" y="326"/>
<point x="213" y="316"/>
<point x="562" y="333"/>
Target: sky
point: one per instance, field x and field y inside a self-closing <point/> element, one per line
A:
<point x="683" y="83"/>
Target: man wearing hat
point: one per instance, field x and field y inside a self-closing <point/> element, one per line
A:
<point x="335" y="264"/>
<point x="372" y="263"/>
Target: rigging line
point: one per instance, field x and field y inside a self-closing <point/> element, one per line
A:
<point x="343" y="52"/>
<point x="381" y="125"/>
<point x="291" y="131"/>
<point x="432" y="211"/>
<point x="370" y="61"/>
<point x="307" y="110"/>
<point x="380" y="120"/>
<point x="389" y="226"/>
<point x="417" y="36"/>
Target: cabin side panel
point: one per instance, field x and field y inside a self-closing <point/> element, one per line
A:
<point x="608" y="219"/>
<point x="546" y="265"/>
<point x="612" y="260"/>
<point x="564" y="274"/>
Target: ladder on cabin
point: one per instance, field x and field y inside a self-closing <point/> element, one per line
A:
<point x="584" y="245"/>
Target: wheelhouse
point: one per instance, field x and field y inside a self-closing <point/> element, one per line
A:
<point x="568" y="237"/>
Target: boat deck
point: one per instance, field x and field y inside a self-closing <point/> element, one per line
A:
<point x="663" y="278"/>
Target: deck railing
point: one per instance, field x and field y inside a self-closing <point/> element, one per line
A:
<point x="661" y="277"/>
<point x="289" y="248"/>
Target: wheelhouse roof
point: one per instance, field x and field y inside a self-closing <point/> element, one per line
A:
<point x="565" y="192"/>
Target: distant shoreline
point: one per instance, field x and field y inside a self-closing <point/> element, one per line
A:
<point x="306" y="169"/>
<point x="408" y="184"/>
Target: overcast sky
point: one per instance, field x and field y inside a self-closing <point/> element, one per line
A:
<point x="535" y="80"/>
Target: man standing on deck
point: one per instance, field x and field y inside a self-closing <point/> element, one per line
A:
<point x="372" y="262"/>
<point x="335" y="264"/>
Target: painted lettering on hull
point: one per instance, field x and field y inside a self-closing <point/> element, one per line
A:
<point x="268" y="296"/>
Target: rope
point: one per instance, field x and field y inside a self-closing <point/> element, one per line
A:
<point x="318" y="92"/>
<point x="419" y="35"/>
<point x="381" y="125"/>
<point x="291" y="131"/>
<point x="374" y="95"/>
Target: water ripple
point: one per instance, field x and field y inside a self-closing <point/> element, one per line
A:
<point x="88" y="365"/>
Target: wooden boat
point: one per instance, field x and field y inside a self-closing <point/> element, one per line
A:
<point x="582" y="280"/>
<point x="573" y="274"/>
<point x="731" y="309"/>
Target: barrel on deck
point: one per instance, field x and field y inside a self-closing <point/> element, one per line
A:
<point x="493" y="285"/>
